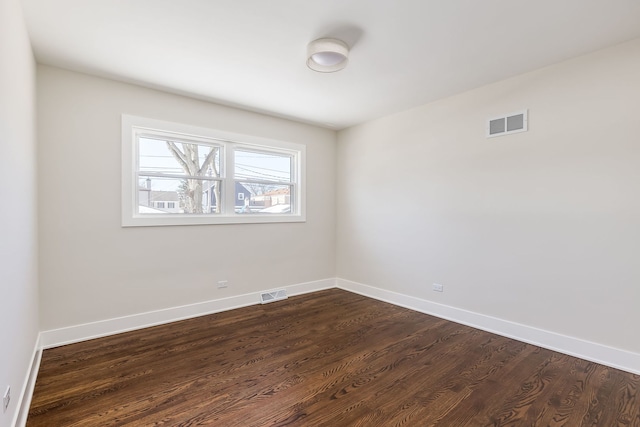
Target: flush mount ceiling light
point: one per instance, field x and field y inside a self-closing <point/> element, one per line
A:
<point x="327" y="55"/>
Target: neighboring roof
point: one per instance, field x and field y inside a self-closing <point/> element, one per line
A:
<point x="164" y="196"/>
<point x="277" y="192"/>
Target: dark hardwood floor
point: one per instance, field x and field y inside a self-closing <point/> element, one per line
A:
<point x="330" y="358"/>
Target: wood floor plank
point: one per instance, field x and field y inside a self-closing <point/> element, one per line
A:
<point x="331" y="358"/>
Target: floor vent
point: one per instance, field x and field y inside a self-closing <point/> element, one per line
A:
<point x="273" y="296"/>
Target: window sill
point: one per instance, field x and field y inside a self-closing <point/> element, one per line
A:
<point x="169" y="220"/>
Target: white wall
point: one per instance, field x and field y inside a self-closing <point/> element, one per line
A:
<point x="18" y="224"/>
<point x="540" y="228"/>
<point x="93" y="269"/>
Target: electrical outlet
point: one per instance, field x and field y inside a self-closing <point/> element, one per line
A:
<point x="222" y="284"/>
<point x="438" y="288"/>
<point x="6" y="399"/>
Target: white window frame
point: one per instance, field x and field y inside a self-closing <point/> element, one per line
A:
<point x="134" y="126"/>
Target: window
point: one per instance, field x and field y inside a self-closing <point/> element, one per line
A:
<point x="176" y="174"/>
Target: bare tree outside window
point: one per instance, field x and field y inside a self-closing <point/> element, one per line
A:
<point x="192" y="190"/>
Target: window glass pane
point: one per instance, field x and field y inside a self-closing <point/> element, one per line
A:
<point x="255" y="165"/>
<point x="260" y="198"/>
<point x="177" y="196"/>
<point x="178" y="158"/>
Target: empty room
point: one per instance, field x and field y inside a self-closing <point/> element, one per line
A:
<point x="320" y="213"/>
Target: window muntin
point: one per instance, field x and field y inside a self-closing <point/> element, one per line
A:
<point x="187" y="175"/>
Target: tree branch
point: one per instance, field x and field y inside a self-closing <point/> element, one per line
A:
<point x="178" y="155"/>
<point x="208" y="159"/>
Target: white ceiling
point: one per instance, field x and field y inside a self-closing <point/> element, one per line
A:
<point x="251" y="53"/>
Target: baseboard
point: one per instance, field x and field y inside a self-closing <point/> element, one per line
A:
<point x="605" y="355"/>
<point x="87" y="331"/>
<point x="616" y="358"/>
<point x="24" y="400"/>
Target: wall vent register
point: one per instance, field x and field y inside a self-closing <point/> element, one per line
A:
<point x="278" y="295"/>
<point x="507" y="124"/>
